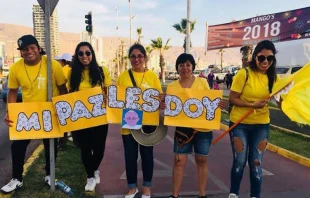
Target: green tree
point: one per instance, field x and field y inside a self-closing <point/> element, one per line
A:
<point x="221" y="51"/>
<point x="157" y="44"/>
<point x="148" y="50"/>
<point x="181" y="27"/>
<point x="139" y="32"/>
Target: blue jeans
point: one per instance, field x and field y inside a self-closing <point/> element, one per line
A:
<point x="201" y="144"/>
<point x="131" y="157"/>
<point x="251" y="135"/>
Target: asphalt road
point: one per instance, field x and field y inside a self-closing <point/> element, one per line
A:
<point x="5" y="149"/>
<point x="282" y="178"/>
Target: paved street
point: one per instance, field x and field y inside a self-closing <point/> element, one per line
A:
<point x="5" y="150"/>
<point x="282" y="177"/>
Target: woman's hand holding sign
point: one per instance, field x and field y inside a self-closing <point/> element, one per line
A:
<point x="162" y="97"/>
<point x="7" y="120"/>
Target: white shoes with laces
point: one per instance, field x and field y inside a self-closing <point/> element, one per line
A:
<point x="232" y="195"/>
<point x="91" y="184"/>
<point x="132" y="195"/>
<point x="11" y="186"/>
<point x="97" y="176"/>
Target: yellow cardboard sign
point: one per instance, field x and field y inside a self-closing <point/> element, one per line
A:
<point x="193" y="108"/>
<point x="80" y="110"/>
<point x="33" y="121"/>
<point x="120" y="97"/>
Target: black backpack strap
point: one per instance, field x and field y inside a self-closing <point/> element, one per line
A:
<point x="132" y="78"/>
<point x="246" y="77"/>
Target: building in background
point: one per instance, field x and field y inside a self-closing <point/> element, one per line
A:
<point x="39" y="30"/>
<point x="2" y="54"/>
<point x="96" y="42"/>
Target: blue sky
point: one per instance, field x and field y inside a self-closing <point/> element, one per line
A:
<point x="155" y="17"/>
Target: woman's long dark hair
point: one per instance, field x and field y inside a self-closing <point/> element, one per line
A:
<point x="95" y="72"/>
<point x="271" y="72"/>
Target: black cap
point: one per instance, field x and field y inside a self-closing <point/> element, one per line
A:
<point x="25" y="40"/>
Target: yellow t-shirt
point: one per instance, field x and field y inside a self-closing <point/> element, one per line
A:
<point x="199" y="83"/>
<point x="33" y="79"/>
<point x="256" y="88"/>
<point x="86" y="82"/>
<point x="143" y="80"/>
<point x="66" y="70"/>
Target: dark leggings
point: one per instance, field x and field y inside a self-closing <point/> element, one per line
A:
<point x="92" y="144"/>
<point x="19" y="147"/>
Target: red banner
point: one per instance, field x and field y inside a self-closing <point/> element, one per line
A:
<point x="278" y="27"/>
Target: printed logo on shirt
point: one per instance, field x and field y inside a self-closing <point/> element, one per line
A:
<point x="41" y="82"/>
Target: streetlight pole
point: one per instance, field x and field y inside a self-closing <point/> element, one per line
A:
<point x="129" y="23"/>
<point x="117" y="39"/>
<point x="188" y="28"/>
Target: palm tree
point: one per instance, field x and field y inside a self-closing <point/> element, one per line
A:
<point x="221" y="51"/>
<point x="148" y="50"/>
<point x="139" y="32"/>
<point x="181" y="27"/>
<point x="246" y="52"/>
<point x="158" y="45"/>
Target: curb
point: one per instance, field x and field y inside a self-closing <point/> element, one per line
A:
<point x="27" y="165"/>
<point x="289" y="131"/>
<point x="281" y="151"/>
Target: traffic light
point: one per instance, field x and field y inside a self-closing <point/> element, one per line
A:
<point x="88" y="21"/>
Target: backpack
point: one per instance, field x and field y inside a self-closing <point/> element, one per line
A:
<point x="230" y="106"/>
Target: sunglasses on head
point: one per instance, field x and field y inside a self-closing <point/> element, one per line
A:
<point x="262" y="58"/>
<point x="80" y="53"/>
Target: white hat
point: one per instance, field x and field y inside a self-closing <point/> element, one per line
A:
<point x="57" y="58"/>
<point x="66" y="57"/>
<point x="150" y="135"/>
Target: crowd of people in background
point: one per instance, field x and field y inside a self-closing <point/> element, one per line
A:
<point x="81" y="72"/>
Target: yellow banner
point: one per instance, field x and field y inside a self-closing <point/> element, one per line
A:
<point x="80" y="110"/>
<point x="33" y="121"/>
<point x="193" y="108"/>
<point x="120" y="98"/>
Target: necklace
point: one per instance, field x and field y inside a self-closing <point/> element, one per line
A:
<point x="32" y="82"/>
<point x="142" y="78"/>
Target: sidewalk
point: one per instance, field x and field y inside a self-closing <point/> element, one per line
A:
<point x="282" y="177"/>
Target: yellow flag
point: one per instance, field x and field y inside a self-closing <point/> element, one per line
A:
<point x="295" y="103"/>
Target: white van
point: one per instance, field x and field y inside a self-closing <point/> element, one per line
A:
<point x="284" y="71"/>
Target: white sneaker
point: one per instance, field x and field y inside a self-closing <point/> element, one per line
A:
<point x="91" y="184"/>
<point x="47" y="180"/>
<point x="132" y="195"/>
<point x="97" y="176"/>
<point x="232" y="195"/>
<point x="11" y="186"/>
<point x="146" y="196"/>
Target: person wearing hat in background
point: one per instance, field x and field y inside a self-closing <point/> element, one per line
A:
<point x="30" y="73"/>
<point x="143" y="78"/>
<point x="185" y="65"/>
<point x="65" y="61"/>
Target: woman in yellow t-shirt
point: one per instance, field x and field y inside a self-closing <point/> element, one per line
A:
<point x="249" y="138"/>
<point x="144" y="78"/>
<point x="185" y="65"/>
<point x="86" y="74"/>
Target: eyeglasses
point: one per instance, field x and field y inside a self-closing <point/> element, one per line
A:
<point x="81" y="53"/>
<point x="133" y="57"/>
<point x="262" y="58"/>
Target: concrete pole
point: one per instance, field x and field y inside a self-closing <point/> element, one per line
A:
<point x="117" y="39"/>
<point x="47" y="35"/>
<point x="129" y="24"/>
<point x="188" y="30"/>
